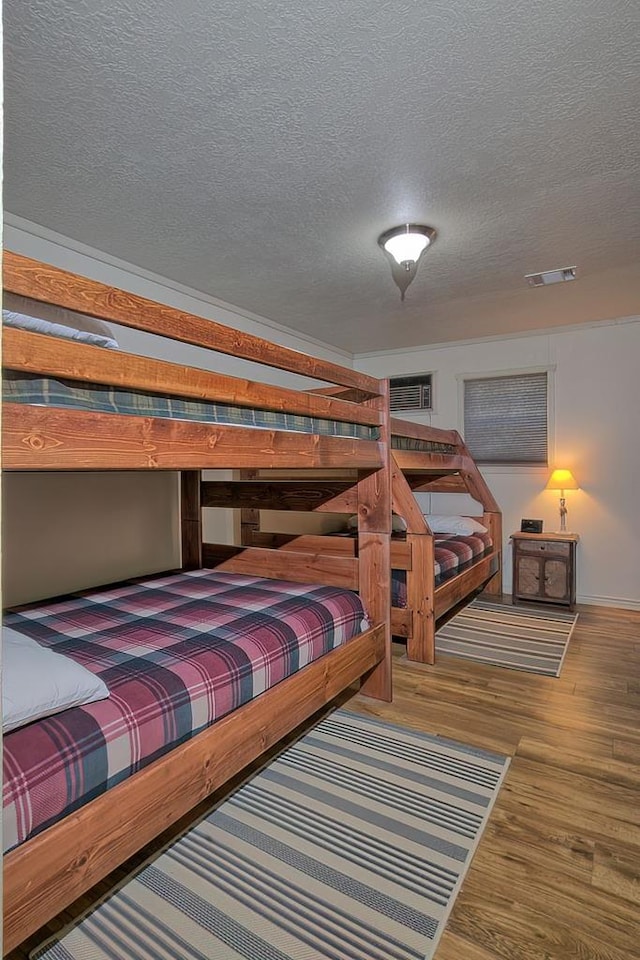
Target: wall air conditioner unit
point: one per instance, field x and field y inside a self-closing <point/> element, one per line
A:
<point x="411" y="393"/>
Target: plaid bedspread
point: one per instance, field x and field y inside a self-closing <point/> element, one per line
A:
<point x="19" y="387"/>
<point x="452" y="554"/>
<point x="176" y="652"/>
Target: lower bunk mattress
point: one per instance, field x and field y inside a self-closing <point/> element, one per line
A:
<point x="176" y="653"/>
<point x="453" y="555"/>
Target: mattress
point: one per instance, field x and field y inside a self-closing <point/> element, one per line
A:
<point x="426" y="446"/>
<point x="38" y="390"/>
<point x="452" y="556"/>
<point x="176" y="653"/>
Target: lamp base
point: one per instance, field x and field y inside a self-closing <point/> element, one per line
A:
<point x="563" y="514"/>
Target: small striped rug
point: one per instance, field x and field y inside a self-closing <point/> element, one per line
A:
<point x="351" y="845"/>
<point x="515" y="637"/>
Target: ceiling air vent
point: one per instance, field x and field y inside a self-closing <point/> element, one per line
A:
<point x="561" y="275"/>
<point x="410" y="393"/>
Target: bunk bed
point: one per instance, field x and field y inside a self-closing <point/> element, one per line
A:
<point x="429" y="460"/>
<point x="431" y="573"/>
<point x="73" y="406"/>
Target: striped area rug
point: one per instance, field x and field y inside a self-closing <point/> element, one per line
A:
<point x="351" y="845"/>
<point x="507" y="636"/>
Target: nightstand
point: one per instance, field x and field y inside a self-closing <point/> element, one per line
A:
<point x="544" y="567"/>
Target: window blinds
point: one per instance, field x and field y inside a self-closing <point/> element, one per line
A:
<point x="505" y="418"/>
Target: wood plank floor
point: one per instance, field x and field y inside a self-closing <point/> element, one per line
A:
<point x="557" y="873"/>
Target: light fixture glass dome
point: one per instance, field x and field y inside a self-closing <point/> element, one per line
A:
<point x="405" y="245"/>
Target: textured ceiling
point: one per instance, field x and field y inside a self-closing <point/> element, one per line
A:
<point x="254" y="150"/>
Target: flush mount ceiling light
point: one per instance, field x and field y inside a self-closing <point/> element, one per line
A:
<point x="405" y="245"/>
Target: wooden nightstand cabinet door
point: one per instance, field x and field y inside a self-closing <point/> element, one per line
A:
<point x="556" y="579"/>
<point x="528" y="576"/>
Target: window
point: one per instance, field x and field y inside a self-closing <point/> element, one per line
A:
<point x="505" y="418"/>
<point x="410" y="393"/>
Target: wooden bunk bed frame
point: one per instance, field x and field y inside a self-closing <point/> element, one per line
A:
<point x="428" y="471"/>
<point x="46" y="873"/>
<point x="444" y="466"/>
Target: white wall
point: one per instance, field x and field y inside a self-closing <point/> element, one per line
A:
<point x="68" y="531"/>
<point x="595" y="432"/>
<point x="65" y="531"/>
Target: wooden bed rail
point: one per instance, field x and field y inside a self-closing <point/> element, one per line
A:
<point x="54" y="357"/>
<point x="58" y="438"/>
<point x="39" y="281"/>
<point x="263" y="562"/>
<point x="421" y="431"/>
<point x="41" y="438"/>
<point x="329" y="496"/>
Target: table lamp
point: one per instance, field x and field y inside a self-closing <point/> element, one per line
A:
<point x="562" y="480"/>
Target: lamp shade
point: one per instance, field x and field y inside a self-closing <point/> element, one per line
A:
<point x="406" y="246"/>
<point x="562" y="480"/>
<point x="407" y="243"/>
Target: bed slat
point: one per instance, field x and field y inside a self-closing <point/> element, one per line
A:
<point x="271" y="494"/>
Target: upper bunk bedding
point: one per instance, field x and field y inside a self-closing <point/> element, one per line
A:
<point x="423" y="446"/>
<point x="176" y="653"/>
<point x="36" y="390"/>
<point x="453" y="554"/>
<point x="70" y="404"/>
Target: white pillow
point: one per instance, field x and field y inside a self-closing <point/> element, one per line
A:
<point x="16" y="303"/>
<point x="462" y="526"/>
<point x="37" y="682"/>
<point x="54" y="329"/>
<point x="398" y="525"/>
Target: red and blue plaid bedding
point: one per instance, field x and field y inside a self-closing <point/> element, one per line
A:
<point x="452" y="555"/>
<point x="176" y="652"/>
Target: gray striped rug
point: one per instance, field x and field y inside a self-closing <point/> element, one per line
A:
<point x="507" y="636"/>
<point x="351" y="845"/>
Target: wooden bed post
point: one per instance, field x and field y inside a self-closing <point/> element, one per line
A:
<point x="493" y="521"/>
<point x="191" y="519"/>
<point x="477" y="487"/>
<point x="374" y="550"/>
<point x="421" y="642"/>
<point x="249" y="517"/>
